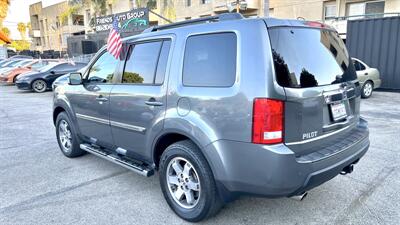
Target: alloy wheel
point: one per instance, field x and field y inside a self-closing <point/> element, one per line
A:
<point x="65" y="136"/>
<point x="183" y="182"/>
<point x="39" y="86"/>
<point x="367" y="89"/>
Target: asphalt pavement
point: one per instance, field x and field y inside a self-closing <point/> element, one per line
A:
<point x="38" y="185"/>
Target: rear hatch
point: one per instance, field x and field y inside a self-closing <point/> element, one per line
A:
<point x="322" y="104"/>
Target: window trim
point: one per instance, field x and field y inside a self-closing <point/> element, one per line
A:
<point x="130" y="44"/>
<point x="210" y="33"/>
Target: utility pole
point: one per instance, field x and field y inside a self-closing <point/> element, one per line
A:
<point x="266" y="8"/>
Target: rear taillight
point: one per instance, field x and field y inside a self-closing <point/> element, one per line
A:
<point x="267" y="121"/>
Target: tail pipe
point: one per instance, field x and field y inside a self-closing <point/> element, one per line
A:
<point x="347" y="169"/>
<point x="299" y="197"/>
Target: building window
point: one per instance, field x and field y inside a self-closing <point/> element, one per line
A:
<point x="330" y="11"/>
<point x="188" y="3"/>
<point x="271" y="12"/>
<point x="205" y="1"/>
<point x="365" y="9"/>
<point x="78" y="20"/>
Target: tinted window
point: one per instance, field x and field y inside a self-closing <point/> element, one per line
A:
<point x="308" y="57"/>
<point x="102" y="70"/>
<point x="210" y="60"/>
<point x="162" y="62"/>
<point x="141" y="63"/>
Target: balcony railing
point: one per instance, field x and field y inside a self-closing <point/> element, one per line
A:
<point x="363" y="16"/>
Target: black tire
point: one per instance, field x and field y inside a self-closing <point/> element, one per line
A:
<point x="209" y="202"/>
<point x="367" y="89"/>
<point x="39" y="88"/>
<point x="74" y="150"/>
<point x="15" y="78"/>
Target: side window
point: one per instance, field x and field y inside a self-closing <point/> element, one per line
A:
<point x="362" y="67"/>
<point x="102" y="71"/>
<point x="359" y="66"/>
<point x="141" y="63"/>
<point x="210" y="60"/>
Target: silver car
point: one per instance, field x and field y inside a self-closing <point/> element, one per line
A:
<point x="369" y="77"/>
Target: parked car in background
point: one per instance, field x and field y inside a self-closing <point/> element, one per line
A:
<point x="369" y="77"/>
<point x="64" y="79"/>
<point x="9" y="76"/>
<point x="9" y="63"/>
<point x="40" y="81"/>
<point x="15" y="64"/>
<point x="20" y="57"/>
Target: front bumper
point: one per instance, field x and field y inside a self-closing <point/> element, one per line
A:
<point x="274" y="170"/>
<point x="24" y="85"/>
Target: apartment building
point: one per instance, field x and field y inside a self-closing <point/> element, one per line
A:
<point x="334" y="12"/>
<point x="49" y="29"/>
<point x="190" y="9"/>
<point x="52" y="25"/>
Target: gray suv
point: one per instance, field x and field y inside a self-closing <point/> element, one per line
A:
<point x="220" y="106"/>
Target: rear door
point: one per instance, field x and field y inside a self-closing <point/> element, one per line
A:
<point x="313" y="66"/>
<point x="138" y="102"/>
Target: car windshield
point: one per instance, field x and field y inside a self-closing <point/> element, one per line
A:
<point x="13" y="63"/>
<point x="23" y="63"/>
<point x="309" y="57"/>
<point x="47" y="67"/>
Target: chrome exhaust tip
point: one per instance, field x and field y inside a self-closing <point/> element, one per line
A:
<point x="299" y="197"/>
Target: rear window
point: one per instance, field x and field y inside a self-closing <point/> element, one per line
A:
<point x="309" y="57"/>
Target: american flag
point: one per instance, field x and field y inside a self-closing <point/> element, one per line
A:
<point x="114" y="44"/>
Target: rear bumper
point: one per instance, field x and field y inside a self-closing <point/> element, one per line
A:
<point x="274" y="170"/>
<point x="5" y="80"/>
<point x="377" y="83"/>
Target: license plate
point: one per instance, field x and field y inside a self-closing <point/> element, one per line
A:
<point x="338" y="111"/>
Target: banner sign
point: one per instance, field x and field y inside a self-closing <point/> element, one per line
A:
<point x="131" y="21"/>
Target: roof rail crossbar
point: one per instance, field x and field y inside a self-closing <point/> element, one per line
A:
<point x="220" y="17"/>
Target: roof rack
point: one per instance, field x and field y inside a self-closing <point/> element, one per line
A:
<point x="220" y="17"/>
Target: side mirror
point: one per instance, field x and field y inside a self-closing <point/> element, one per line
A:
<point x="75" y="79"/>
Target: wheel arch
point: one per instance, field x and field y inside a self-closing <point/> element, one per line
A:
<point x="168" y="137"/>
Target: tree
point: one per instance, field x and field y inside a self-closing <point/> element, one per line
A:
<point x="6" y="31"/>
<point x="3" y="10"/>
<point x="21" y="27"/>
<point x="168" y="9"/>
<point x="20" y="45"/>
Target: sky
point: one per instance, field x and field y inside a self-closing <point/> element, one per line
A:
<point x="19" y="12"/>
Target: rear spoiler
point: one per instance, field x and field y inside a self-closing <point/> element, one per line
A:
<point x="273" y="22"/>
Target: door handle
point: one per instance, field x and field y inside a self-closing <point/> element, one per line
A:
<point x="100" y="98"/>
<point x="365" y="73"/>
<point x="153" y="102"/>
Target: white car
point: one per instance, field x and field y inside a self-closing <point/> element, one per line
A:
<point x="369" y="77"/>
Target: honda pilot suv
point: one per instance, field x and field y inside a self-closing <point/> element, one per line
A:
<point x="220" y="106"/>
